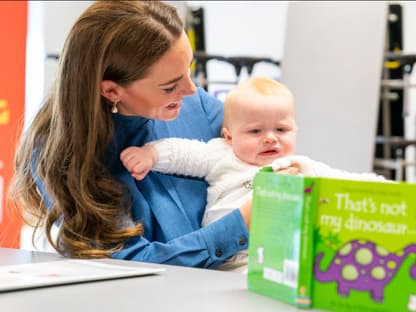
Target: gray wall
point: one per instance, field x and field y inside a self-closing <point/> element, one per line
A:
<point x="332" y="62"/>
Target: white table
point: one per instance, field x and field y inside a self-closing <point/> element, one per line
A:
<point x="176" y="289"/>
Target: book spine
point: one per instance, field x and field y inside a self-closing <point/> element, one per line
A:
<point x="309" y="210"/>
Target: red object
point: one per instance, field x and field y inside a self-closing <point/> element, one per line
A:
<point x="13" y="32"/>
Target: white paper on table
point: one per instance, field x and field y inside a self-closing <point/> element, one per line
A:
<point x="67" y="271"/>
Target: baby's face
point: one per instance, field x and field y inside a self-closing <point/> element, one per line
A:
<point x="262" y="129"/>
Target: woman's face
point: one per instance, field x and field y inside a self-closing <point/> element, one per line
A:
<point x="159" y="95"/>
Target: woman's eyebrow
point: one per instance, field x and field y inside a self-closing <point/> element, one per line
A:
<point x="171" y="81"/>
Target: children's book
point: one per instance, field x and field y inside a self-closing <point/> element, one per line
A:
<point x="333" y="244"/>
<point x="67" y="271"/>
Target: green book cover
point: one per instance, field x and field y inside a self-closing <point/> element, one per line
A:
<point x="365" y="246"/>
<point x="344" y="245"/>
<point x="281" y="237"/>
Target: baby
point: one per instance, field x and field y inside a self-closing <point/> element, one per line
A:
<point x="259" y="129"/>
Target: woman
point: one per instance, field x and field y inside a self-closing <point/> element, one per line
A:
<point x="124" y="80"/>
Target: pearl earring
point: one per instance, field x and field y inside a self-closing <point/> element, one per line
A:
<point x="114" y="109"/>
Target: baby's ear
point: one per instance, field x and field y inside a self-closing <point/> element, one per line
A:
<point x="227" y="135"/>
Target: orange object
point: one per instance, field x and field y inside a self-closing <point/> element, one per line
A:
<point x="13" y="31"/>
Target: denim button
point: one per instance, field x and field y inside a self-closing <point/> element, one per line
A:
<point x="218" y="252"/>
<point x="243" y="240"/>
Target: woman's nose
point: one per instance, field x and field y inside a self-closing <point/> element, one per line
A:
<point x="188" y="86"/>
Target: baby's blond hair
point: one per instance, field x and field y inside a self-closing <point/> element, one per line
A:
<point x="261" y="85"/>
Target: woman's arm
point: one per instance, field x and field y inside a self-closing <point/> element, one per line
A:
<point x="207" y="247"/>
<point x="171" y="237"/>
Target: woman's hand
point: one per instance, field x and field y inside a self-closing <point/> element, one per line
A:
<point x="245" y="211"/>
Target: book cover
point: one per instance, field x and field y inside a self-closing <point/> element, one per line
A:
<point x="280" y="259"/>
<point x="349" y="245"/>
<point x="365" y="246"/>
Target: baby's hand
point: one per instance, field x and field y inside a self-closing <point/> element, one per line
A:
<point x="293" y="165"/>
<point x="282" y="163"/>
<point x="293" y="169"/>
<point x="139" y="160"/>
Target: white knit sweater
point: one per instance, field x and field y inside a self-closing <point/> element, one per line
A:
<point x="229" y="178"/>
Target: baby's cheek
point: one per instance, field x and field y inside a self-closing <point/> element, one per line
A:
<point x="289" y="147"/>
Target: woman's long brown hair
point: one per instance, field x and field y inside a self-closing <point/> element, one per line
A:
<point x="111" y="40"/>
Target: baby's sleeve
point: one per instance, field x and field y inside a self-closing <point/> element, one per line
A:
<point x="183" y="157"/>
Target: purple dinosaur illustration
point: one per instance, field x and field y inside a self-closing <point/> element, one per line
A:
<point x="363" y="266"/>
